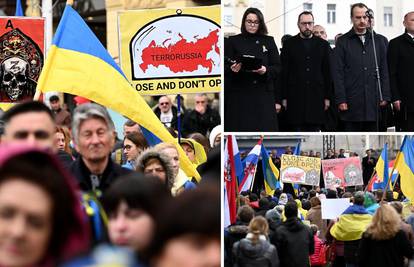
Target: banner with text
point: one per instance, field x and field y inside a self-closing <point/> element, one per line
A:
<point x="342" y="172"/>
<point x="22" y="47"/>
<point x="300" y="170"/>
<point x="171" y="51"/>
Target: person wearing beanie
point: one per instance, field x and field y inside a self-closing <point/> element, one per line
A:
<point x="294" y="239"/>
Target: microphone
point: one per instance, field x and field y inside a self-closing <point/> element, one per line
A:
<point x="369" y="13"/>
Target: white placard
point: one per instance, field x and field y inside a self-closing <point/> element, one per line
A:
<point x="332" y="208"/>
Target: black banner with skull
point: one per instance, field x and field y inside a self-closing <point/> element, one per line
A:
<point x="21" y="60"/>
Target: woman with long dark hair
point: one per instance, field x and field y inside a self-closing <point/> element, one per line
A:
<point x="252" y="65"/>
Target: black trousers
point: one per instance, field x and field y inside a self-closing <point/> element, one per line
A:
<point x="360" y="126"/>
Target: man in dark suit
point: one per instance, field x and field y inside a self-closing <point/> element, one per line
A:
<point x="400" y="61"/>
<point x="306" y="79"/>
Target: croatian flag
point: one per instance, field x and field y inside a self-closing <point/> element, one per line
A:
<point x="232" y="168"/>
<point x="378" y="182"/>
<point x="250" y="163"/>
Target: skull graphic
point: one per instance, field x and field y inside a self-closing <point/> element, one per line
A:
<point x="14" y="77"/>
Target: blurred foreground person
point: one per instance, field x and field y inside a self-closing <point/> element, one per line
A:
<point x="188" y="233"/>
<point x="41" y="222"/>
<point x="132" y="204"/>
<point x="384" y="243"/>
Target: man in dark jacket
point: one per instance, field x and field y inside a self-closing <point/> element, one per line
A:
<point x="356" y="87"/>
<point x="236" y="232"/>
<point x="294" y="239"/>
<point x="400" y="61"/>
<point x="202" y="119"/>
<point x="306" y="77"/>
<point x="94" y="135"/>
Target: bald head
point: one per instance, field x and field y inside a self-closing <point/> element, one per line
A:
<point x="409" y="22"/>
<point x="320" y="32"/>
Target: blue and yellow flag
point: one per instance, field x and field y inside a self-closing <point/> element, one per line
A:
<point x="404" y="163"/>
<point x="351" y="224"/>
<point x="19" y="9"/>
<point x="270" y="172"/>
<point x="382" y="167"/>
<point x="78" y="64"/>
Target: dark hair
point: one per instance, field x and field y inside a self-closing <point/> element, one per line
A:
<point x="291" y="209"/>
<point x="360" y="5"/>
<point x="312" y="193"/>
<point x="138" y="139"/>
<point x="42" y="170"/>
<point x="305" y="13"/>
<point x="201" y="139"/>
<point x="138" y="191"/>
<point x="245" y="213"/>
<point x="26" y="107"/>
<point x="194" y="212"/>
<point x="359" y="198"/>
<point x="53" y="98"/>
<point x="262" y="29"/>
<point x="306" y="204"/>
<point x="130" y="123"/>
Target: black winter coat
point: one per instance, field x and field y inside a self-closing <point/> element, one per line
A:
<point x="247" y="254"/>
<point x="306" y="79"/>
<point x="387" y="253"/>
<point x="400" y="61"/>
<point x="355" y="77"/>
<point x="294" y="243"/>
<point x="250" y="98"/>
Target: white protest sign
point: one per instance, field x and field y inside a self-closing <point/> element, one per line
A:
<point x="332" y="208"/>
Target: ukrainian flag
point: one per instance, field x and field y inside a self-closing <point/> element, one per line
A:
<point x="270" y="172"/>
<point x="78" y="64"/>
<point x="405" y="166"/>
<point x="351" y="224"/>
<point x="382" y="167"/>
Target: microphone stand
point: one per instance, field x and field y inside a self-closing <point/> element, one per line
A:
<point x="376" y="69"/>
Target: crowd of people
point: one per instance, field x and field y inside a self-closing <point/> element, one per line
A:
<point x="362" y="84"/>
<point x="72" y="194"/>
<point x="285" y="229"/>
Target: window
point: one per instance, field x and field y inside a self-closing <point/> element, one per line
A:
<point x="331" y="13"/>
<point x="387" y="16"/>
<point x="307" y="7"/>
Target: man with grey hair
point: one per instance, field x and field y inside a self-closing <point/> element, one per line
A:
<point x="93" y="133"/>
<point x="202" y="119"/>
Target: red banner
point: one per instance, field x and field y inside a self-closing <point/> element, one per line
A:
<point x="22" y="45"/>
<point x="342" y="172"/>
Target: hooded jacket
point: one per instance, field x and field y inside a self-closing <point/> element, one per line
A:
<point x="246" y="253"/>
<point x="165" y="162"/>
<point x="295" y="243"/>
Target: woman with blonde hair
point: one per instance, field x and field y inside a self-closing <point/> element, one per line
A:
<point x="384" y="243"/>
<point x="255" y="249"/>
<point x="181" y="181"/>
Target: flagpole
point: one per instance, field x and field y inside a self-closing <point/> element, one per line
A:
<point x="390" y="175"/>
<point x="255" y="170"/>
<point x="370" y="180"/>
<point x="179" y="117"/>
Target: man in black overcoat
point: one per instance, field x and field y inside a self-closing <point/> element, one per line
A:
<point x="354" y="72"/>
<point x="401" y="68"/>
<point x="306" y="78"/>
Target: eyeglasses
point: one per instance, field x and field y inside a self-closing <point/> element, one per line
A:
<point x="38" y="135"/>
<point x="310" y="23"/>
<point x="252" y="22"/>
<point x="164" y="104"/>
